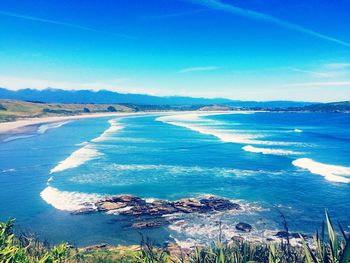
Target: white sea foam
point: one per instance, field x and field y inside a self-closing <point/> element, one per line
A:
<point x="253" y="149"/>
<point x="87" y="152"/>
<point x="194" y="122"/>
<point x="82" y="143"/>
<point x="129" y="174"/>
<point x="114" y="127"/>
<point x="48" y="126"/>
<point x="68" y="201"/>
<point x="8" y="170"/>
<point x="197" y="116"/>
<point x="228" y="136"/>
<point x="77" y="158"/>
<point x="298" y="130"/>
<point x="334" y="173"/>
<point x="118" y="211"/>
<point x="198" y="229"/>
<point x="16" y="137"/>
<point x="184" y="170"/>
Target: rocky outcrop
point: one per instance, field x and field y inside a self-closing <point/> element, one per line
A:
<point x="139" y="207"/>
<point x="187" y="205"/>
<point x="152" y="213"/>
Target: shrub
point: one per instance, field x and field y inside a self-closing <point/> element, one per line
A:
<point x="111" y="109"/>
<point x="335" y="249"/>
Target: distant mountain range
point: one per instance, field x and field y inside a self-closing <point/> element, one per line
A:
<point x="103" y="96"/>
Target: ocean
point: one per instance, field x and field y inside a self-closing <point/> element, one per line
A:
<point x="295" y="164"/>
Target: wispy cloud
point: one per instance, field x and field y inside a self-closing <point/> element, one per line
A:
<point x="218" y="5"/>
<point x="338" y="65"/>
<point x="321" y="84"/>
<point x="208" y="68"/>
<point x="319" y="74"/>
<point x="193" y="12"/>
<point x="60" y="23"/>
<point x="329" y="70"/>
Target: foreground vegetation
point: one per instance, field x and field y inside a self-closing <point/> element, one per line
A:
<point x="328" y="249"/>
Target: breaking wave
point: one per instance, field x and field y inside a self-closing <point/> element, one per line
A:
<point x="48" y="126"/>
<point x="114" y="127"/>
<point x="8" y="170"/>
<point x="68" y="201"/>
<point x="334" y="173"/>
<point x="195" y="123"/>
<point x="253" y="149"/>
<point x="77" y="158"/>
<point x="87" y="152"/>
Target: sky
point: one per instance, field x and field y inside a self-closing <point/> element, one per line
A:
<point x="238" y="49"/>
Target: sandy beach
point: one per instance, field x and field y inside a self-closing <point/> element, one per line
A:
<point x="19" y="125"/>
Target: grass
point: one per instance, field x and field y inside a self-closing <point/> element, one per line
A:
<point x="329" y="248"/>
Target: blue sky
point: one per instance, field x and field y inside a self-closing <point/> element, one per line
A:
<point x="239" y="49"/>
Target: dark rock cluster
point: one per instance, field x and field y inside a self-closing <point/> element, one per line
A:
<point x="151" y="212"/>
<point x="188" y="205"/>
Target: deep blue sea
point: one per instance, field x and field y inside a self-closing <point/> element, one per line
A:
<point x="297" y="164"/>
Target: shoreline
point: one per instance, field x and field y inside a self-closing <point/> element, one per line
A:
<point x="21" y="125"/>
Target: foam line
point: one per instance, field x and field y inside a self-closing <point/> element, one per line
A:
<point x="48" y="126"/>
<point x="334" y="173"/>
<point x="87" y="152"/>
<point x="114" y="127"/>
<point x="77" y="158"/>
<point x="225" y="136"/>
<point x="68" y="201"/>
<point x="253" y="149"/>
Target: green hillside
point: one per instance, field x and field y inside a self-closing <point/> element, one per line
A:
<point x="13" y="109"/>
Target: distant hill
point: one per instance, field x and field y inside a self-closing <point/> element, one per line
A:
<point x="341" y="106"/>
<point x="103" y="96"/>
<point x="13" y="109"/>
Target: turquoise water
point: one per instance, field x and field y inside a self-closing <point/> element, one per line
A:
<point x="294" y="163"/>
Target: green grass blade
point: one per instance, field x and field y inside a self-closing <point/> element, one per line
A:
<point x="346" y="253"/>
<point x="310" y="258"/>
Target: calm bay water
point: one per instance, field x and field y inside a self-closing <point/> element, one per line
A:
<point x="294" y="163"/>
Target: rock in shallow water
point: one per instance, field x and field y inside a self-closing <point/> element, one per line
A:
<point x="285" y="234"/>
<point x="149" y="223"/>
<point x="244" y="227"/>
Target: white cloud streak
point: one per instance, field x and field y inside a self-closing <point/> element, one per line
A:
<point x="319" y="74"/>
<point x="179" y="14"/>
<point x="338" y="65"/>
<point x="321" y="84"/>
<point x="60" y="23"/>
<point x="218" y="5"/>
<point x="194" y="69"/>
